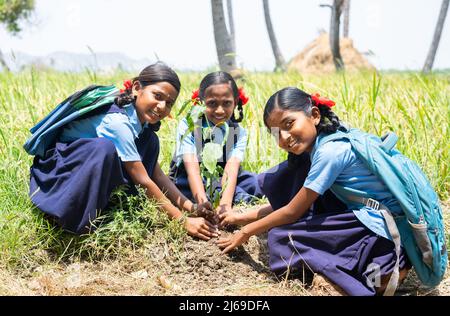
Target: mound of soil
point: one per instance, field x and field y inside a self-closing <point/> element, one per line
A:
<point x="317" y="57"/>
<point x="197" y="269"/>
<point x="194" y="268"/>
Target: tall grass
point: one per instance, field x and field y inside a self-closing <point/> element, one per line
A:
<point x="416" y="107"/>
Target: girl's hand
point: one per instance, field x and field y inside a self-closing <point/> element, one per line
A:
<point x="201" y="228"/>
<point x="230" y="218"/>
<point x="205" y="210"/>
<point x="224" y="208"/>
<point x="229" y="243"/>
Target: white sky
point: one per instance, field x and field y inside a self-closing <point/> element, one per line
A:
<point x="399" y="32"/>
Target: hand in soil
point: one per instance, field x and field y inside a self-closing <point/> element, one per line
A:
<point x="205" y="210"/>
<point x="229" y="218"/>
<point x="220" y="211"/>
<point x="235" y="240"/>
<point x="201" y="228"/>
<point x="224" y="208"/>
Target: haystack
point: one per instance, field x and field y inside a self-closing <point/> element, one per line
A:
<point x="317" y="58"/>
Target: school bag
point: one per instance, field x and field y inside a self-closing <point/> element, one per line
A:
<point x="80" y="104"/>
<point x="420" y="226"/>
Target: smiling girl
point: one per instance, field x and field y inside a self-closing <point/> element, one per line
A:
<point x="223" y="101"/>
<point x="308" y="226"/>
<point x="73" y="181"/>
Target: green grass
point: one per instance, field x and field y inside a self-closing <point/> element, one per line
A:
<point x="416" y="107"/>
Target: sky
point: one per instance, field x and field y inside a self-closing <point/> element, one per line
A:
<point x="179" y="32"/>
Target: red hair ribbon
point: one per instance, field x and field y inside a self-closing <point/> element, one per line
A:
<point x="242" y="96"/>
<point x="195" y="96"/>
<point x="127" y="84"/>
<point x="322" y="100"/>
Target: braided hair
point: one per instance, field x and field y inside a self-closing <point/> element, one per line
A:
<point x="222" y="77"/>
<point x="294" y="99"/>
<point x="157" y="72"/>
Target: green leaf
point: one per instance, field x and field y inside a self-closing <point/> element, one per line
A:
<point x="183" y="107"/>
<point x="196" y="112"/>
<point x="210" y="154"/>
<point x="207" y="132"/>
<point x="192" y="118"/>
<point x="227" y="131"/>
<point x="216" y="198"/>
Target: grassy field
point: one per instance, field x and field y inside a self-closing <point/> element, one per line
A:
<point x="416" y="107"/>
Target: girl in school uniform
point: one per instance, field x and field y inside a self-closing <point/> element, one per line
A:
<point x="73" y="181"/>
<point x="308" y="226"/>
<point x="222" y="99"/>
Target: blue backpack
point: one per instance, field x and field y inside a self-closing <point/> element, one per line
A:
<point x="76" y="106"/>
<point x="420" y="228"/>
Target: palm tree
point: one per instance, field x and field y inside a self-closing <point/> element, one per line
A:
<point x="224" y="42"/>
<point x="279" y="60"/>
<point x="436" y="38"/>
<point x="336" y="11"/>
<point x="346" y="17"/>
<point x="231" y="23"/>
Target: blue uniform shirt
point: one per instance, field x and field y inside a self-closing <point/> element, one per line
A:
<point x="188" y="146"/>
<point x="335" y="162"/>
<point x="121" y="129"/>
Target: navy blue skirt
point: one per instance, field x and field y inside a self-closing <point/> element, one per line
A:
<point x="74" y="181"/>
<point x="247" y="187"/>
<point x="328" y="239"/>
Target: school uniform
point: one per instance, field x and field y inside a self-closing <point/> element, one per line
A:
<point x="345" y="243"/>
<point x="73" y="181"/>
<point x="247" y="187"/>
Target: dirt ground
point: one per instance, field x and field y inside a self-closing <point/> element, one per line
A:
<point x="198" y="269"/>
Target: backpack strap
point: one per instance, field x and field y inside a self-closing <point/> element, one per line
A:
<point x="232" y="138"/>
<point x="339" y="134"/>
<point x="175" y="170"/>
<point x="388" y="141"/>
<point x="395" y="234"/>
<point x="198" y="137"/>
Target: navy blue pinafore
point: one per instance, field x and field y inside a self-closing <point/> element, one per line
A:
<point x="328" y="239"/>
<point x="73" y="182"/>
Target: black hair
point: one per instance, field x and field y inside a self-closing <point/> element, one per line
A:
<point x="221" y="77"/>
<point x="157" y="72"/>
<point x="294" y="99"/>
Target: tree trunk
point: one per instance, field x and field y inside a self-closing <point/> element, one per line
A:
<point x="279" y="60"/>
<point x="224" y="46"/>
<point x="231" y="24"/>
<point x="334" y="34"/>
<point x="436" y="38"/>
<point x="346" y="17"/>
<point x="3" y="61"/>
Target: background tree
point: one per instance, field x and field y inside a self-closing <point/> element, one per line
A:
<point x="224" y="41"/>
<point x="231" y="23"/>
<point x="336" y="11"/>
<point x="436" y="38"/>
<point x="279" y="60"/>
<point x="11" y="12"/>
<point x="346" y="17"/>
